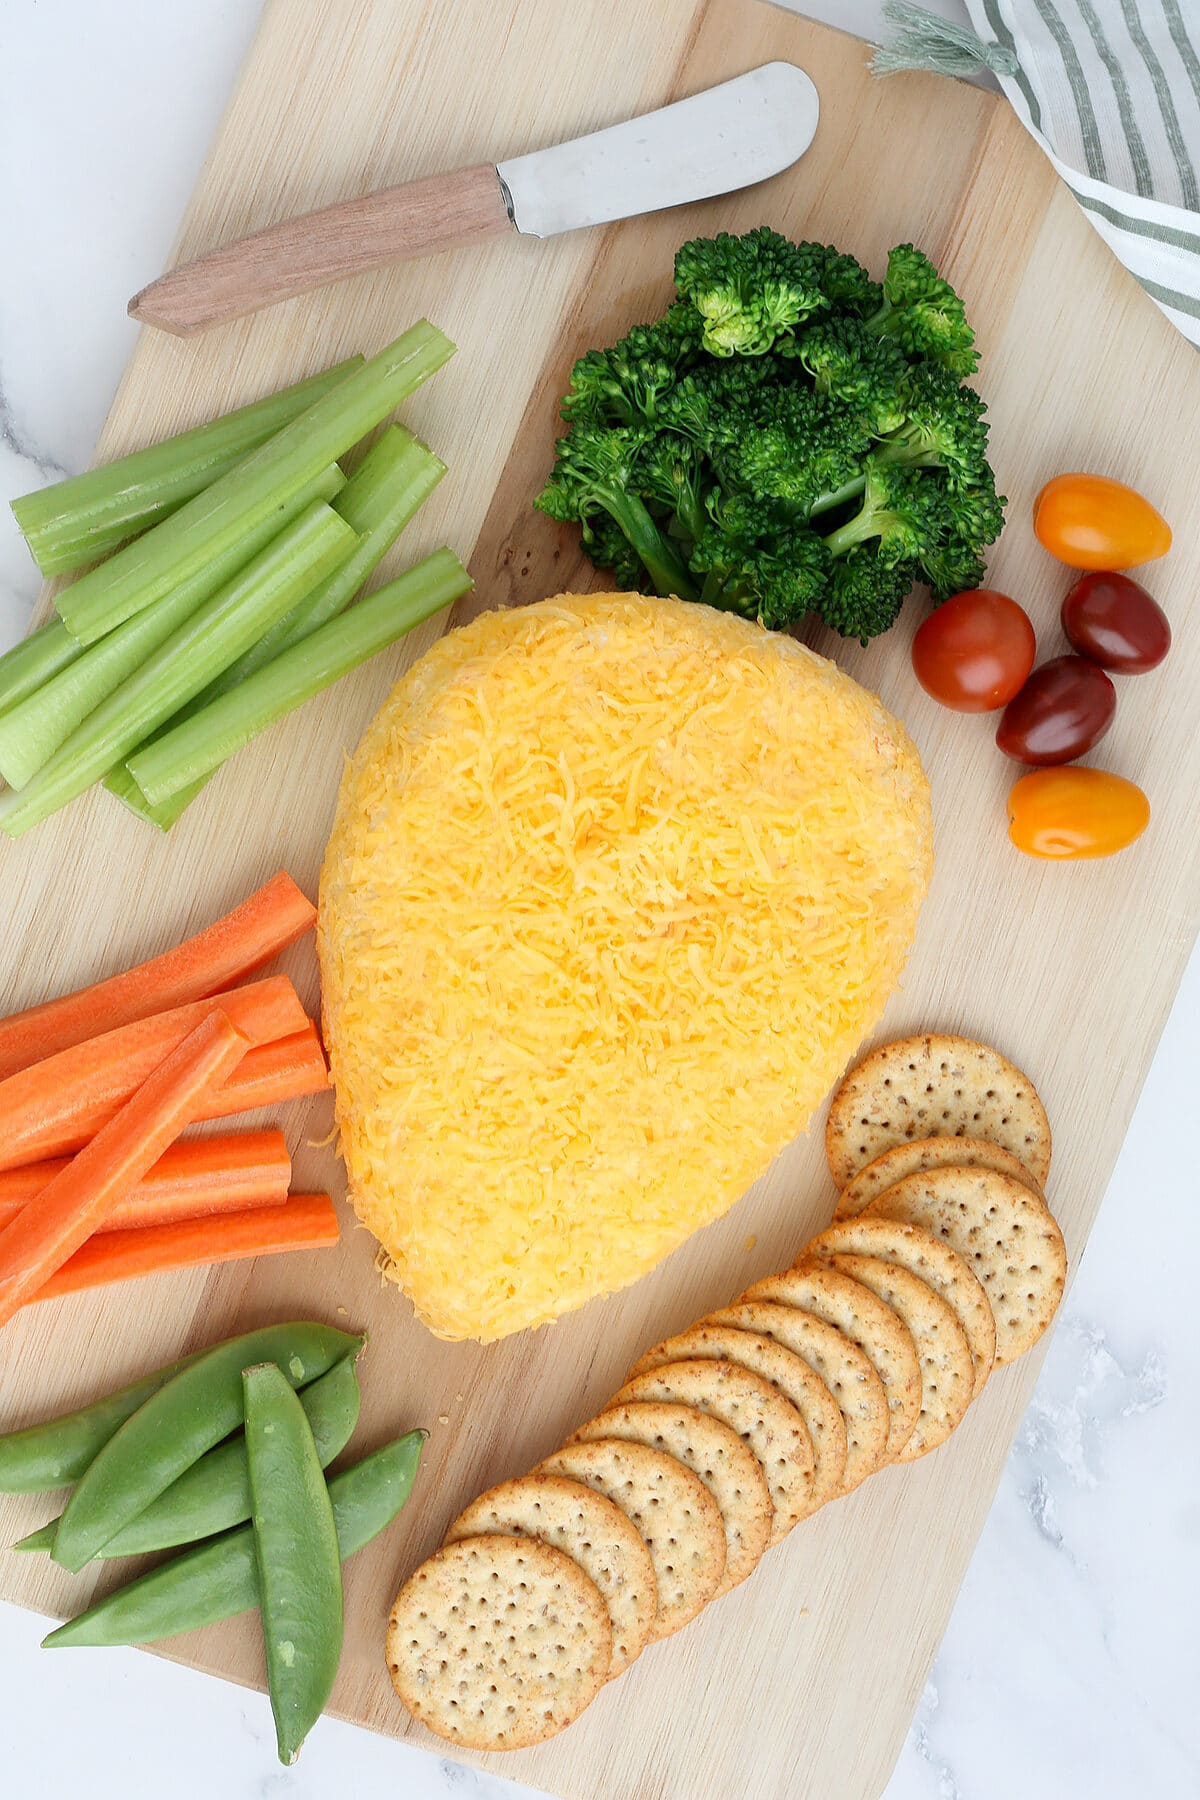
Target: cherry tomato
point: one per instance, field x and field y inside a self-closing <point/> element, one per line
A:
<point x="1114" y="622"/>
<point x="974" y="652"/>
<point x="1091" y="522"/>
<point x="1064" y="708"/>
<point x="1067" y="814"/>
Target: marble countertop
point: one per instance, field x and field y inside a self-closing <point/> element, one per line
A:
<point x="1069" y="1667"/>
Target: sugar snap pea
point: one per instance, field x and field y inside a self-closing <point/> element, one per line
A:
<point x="296" y="1547"/>
<point x="39" y="1458"/>
<point x="216" y="1580"/>
<point x="215" y="1492"/>
<point x="175" y="1426"/>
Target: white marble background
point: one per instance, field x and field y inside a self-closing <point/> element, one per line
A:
<point x="1070" y="1666"/>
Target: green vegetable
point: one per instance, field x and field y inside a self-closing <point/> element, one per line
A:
<point x="77" y="521"/>
<point x="192" y="750"/>
<point x="215" y="1492"/>
<point x="39" y="1458"/>
<point x="746" y="449"/>
<point x="172" y="1429"/>
<point x="204" y="644"/>
<point x="296" y="1550"/>
<point x="215" y="518"/>
<point x="33" y="661"/>
<point x="220" y="1579"/>
<point x="383" y="494"/>
<point x="31" y="732"/>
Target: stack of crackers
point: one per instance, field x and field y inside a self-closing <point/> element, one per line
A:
<point x="941" y="1264"/>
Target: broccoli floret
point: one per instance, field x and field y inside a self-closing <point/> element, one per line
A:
<point x="924" y="314"/>
<point x="866" y="372"/>
<point x="792" y="444"/>
<point x="671" y="471"/>
<point x="907" y="513"/>
<point x="863" y="596"/>
<point x="842" y="279"/>
<point x="609" y="548"/>
<point x="757" y="564"/>
<point x="952" y="567"/>
<point x="944" y="428"/>
<point x="594" y="472"/>
<point x="707" y="405"/>
<point x="747" y="290"/>
<point x="623" y="385"/>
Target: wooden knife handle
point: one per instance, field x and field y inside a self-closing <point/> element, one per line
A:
<point x="417" y="219"/>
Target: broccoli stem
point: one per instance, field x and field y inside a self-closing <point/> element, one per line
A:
<point x="914" y="452"/>
<point x="866" y="524"/>
<point x="849" y="490"/>
<point x="665" y="567"/>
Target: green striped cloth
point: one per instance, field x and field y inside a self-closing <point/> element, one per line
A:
<point x="1111" y="91"/>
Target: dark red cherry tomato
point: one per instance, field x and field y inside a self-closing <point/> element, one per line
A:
<point x="1064" y="708"/>
<point x="974" y="652"/>
<point x="1114" y="622"/>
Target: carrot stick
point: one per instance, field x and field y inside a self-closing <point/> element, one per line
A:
<point x="77" y="1201"/>
<point x="229" y="950"/>
<point x="271" y="1074"/>
<point x="55" y="1106"/>
<point x="305" y="1222"/>
<point x="194" y="1179"/>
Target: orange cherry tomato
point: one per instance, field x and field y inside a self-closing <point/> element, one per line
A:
<point x="1090" y="522"/>
<point x="1066" y="814"/>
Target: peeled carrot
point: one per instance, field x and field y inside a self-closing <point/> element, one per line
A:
<point x="55" y="1106"/>
<point x="229" y="950"/>
<point x="271" y="1074"/>
<point x="194" y="1179"/>
<point x="305" y="1222"/>
<point x="78" y="1200"/>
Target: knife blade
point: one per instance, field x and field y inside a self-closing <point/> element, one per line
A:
<point x="714" y="142"/>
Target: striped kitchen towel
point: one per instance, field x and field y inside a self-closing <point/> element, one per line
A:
<point x="1111" y="91"/>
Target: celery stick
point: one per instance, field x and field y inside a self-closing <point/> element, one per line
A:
<point x="204" y="526"/>
<point x="211" y="638"/>
<point x="121" y="784"/>
<point x="37" y="658"/>
<point x="394" y="479"/>
<point x="380" y="498"/>
<point x="31" y="732"/>
<point x="204" y="741"/>
<point x="76" y="522"/>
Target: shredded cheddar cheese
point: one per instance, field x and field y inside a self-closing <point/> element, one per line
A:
<point x="615" y="887"/>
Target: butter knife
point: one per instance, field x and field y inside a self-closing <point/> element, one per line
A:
<point x="714" y="142"/>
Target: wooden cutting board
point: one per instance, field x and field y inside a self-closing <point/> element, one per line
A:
<point x="801" y="1684"/>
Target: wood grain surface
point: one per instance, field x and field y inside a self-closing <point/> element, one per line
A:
<point x="800" y="1685"/>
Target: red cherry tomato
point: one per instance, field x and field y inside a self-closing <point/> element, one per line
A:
<point x="1114" y="622"/>
<point x="1091" y="522"/>
<point x="974" y="652"/>
<point x="1067" y="814"/>
<point x="1064" y="708"/>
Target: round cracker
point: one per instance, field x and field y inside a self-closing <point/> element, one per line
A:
<point x="926" y="1086"/>
<point x="498" y="1642"/>
<point x="937" y="1264"/>
<point x="864" y="1318"/>
<point x="844" y="1369"/>
<point x="795" y="1379"/>
<point x="728" y="1468"/>
<point x="891" y="1166"/>
<point x="680" y="1522"/>
<point x="947" y="1371"/>
<point x="1004" y="1234"/>
<point x="761" y="1416"/>
<point x="585" y="1525"/>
